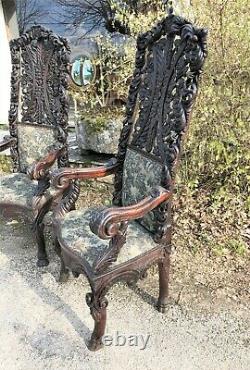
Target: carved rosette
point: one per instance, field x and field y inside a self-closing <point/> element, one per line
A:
<point x="38" y="85"/>
<point x="167" y="68"/>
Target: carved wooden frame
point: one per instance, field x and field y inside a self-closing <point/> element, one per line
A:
<point x="112" y="223"/>
<point x="19" y="71"/>
<point x="38" y="88"/>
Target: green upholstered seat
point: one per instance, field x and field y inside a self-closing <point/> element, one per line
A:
<point x="77" y="236"/>
<point x="17" y="189"/>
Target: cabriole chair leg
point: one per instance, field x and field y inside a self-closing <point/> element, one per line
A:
<point x="98" y="309"/>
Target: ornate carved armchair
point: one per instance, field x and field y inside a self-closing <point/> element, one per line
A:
<point x="37" y="123"/>
<point x="120" y="243"/>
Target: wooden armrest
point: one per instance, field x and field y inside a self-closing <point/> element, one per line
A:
<point x="60" y="179"/>
<point x="106" y="224"/>
<point x="6" y="143"/>
<point x="39" y="169"/>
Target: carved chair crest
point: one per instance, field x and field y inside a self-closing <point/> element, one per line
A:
<point x="168" y="64"/>
<point x="39" y="108"/>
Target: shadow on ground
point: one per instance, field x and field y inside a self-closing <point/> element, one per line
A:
<point x="45" y="325"/>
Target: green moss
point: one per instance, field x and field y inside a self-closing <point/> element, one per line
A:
<point x="234" y="246"/>
<point x="237" y="246"/>
<point x="5" y="164"/>
<point x="97" y="120"/>
<point x="95" y="125"/>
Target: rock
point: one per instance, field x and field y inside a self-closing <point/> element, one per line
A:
<point x="101" y="140"/>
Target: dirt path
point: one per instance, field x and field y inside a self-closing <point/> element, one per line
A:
<point x="45" y="325"/>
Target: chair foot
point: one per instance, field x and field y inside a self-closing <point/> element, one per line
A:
<point x="95" y="344"/>
<point x="75" y="274"/>
<point x="64" y="272"/>
<point x="64" y="276"/>
<point x="162" y="305"/>
<point x="131" y="284"/>
<point x="42" y="262"/>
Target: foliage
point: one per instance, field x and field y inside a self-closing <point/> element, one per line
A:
<point x="98" y="122"/>
<point x="140" y="16"/>
<point x="114" y="15"/>
<point x="114" y="64"/>
<point x="217" y="150"/>
<point x="116" y="54"/>
<point x="215" y="172"/>
<point x="213" y="181"/>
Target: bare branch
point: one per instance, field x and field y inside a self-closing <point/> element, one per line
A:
<point x="28" y="13"/>
<point x="93" y="13"/>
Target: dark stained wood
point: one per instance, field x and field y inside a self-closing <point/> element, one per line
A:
<point x="7" y="142"/>
<point x="40" y="71"/>
<point x="40" y="169"/>
<point x="107" y="223"/>
<point x="38" y="97"/>
<point x="168" y="64"/>
<point x="60" y="179"/>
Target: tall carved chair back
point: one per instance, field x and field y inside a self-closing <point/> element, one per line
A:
<point x="38" y="112"/>
<point x="38" y="120"/>
<point x="168" y="64"/>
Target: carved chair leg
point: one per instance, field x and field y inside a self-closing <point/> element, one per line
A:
<point x="164" y="267"/>
<point x="98" y="309"/>
<point x="38" y="225"/>
<point x="64" y="271"/>
<point x="42" y="258"/>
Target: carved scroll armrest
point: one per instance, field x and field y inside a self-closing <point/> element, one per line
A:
<point x="40" y="169"/>
<point x="6" y="143"/>
<point x="107" y="223"/>
<point x="61" y="178"/>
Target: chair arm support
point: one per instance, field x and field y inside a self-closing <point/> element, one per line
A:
<point x="6" y="143"/>
<point x="40" y="169"/>
<point x="60" y="179"/>
<point x="107" y="223"/>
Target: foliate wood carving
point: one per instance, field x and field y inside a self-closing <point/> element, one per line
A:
<point x="38" y="84"/>
<point x="68" y="202"/>
<point x="61" y="180"/>
<point x="115" y="245"/>
<point x="168" y="64"/>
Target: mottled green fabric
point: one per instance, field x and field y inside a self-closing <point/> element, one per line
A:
<point x="78" y="237"/>
<point x="141" y="174"/>
<point x="33" y="143"/>
<point x="17" y="189"/>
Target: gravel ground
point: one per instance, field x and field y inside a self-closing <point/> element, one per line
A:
<point x="45" y="325"/>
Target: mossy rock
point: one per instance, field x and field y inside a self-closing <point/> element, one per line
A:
<point x="99" y="134"/>
<point x="99" y="120"/>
